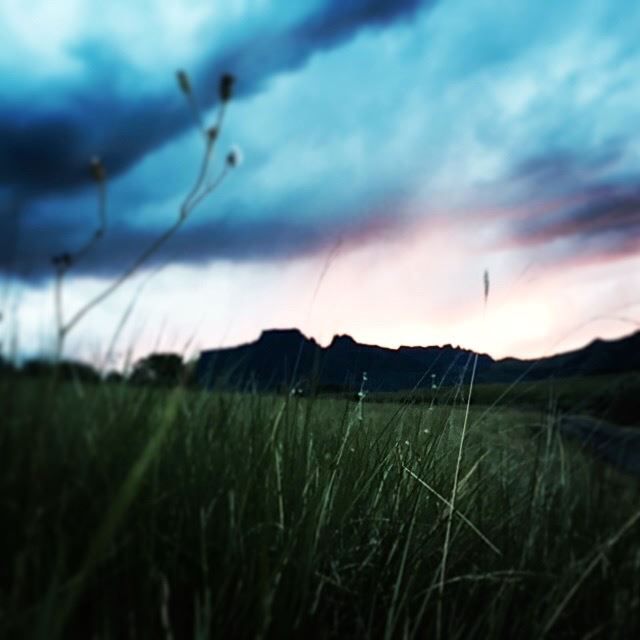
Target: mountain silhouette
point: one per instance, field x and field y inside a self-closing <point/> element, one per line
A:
<point x="285" y="358"/>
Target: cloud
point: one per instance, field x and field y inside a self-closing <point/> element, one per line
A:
<point x="119" y="115"/>
<point x="617" y="211"/>
<point x="236" y="237"/>
<point x="460" y="111"/>
<point x="430" y="140"/>
<point x="587" y="209"/>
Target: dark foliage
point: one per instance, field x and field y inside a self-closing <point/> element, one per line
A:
<point x="65" y="370"/>
<point x="165" y="369"/>
<point x="6" y="367"/>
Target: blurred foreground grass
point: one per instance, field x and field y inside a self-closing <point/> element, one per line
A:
<point x="140" y="513"/>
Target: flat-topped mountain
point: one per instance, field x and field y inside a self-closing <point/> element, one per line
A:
<point x="287" y="358"/>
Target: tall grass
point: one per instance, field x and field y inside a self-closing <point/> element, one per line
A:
<point x="134" y="513"/>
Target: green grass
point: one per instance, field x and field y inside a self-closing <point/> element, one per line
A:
<point x="611" y="397"/>
<point x="138" y="513"/>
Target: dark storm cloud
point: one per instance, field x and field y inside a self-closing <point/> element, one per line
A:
<point x="605" y="210"/>
<point x="273" y="236"/>
<point x="587" y="207"/>
<point x="46" y="148"/>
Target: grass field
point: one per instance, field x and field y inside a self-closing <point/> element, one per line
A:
<point x="143" y="513"/>
<point x="610" y="397"/>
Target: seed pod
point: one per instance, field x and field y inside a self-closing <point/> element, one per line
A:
<point x="226" y="87"/>
<point x="234" y="157"/>
<point x="62" y="260"/>
<point x="183" y="82"/>
<point x="97" y="169"/>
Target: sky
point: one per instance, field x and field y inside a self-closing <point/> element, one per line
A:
<point x="392" y="152"/>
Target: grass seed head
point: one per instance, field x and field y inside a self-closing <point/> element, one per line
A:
<point x="62" y="260"/>
<point x="98" y="172"/>
<point x="183" y="82"/>
<point x="225" y="87"/>
<point x="234" y="157"/>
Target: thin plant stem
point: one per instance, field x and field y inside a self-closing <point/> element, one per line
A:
<point x="452" y="502"/>
<point x="72" y="259"/>
<point x="126" y="315"/>
<point x="186" y="207"/>
<point x="57" y="298"/>
<point x="456" y="476"/>
<point x="195" y="110"/>
<point x="210" y="187"/>
<point x="100" y="231"/>
<point x="455" y="510"/>
<point x="200" y="189"/>
<point x="116" y="284"/>
<point x="191" y="200"/>
<point x="613" y="540"/>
